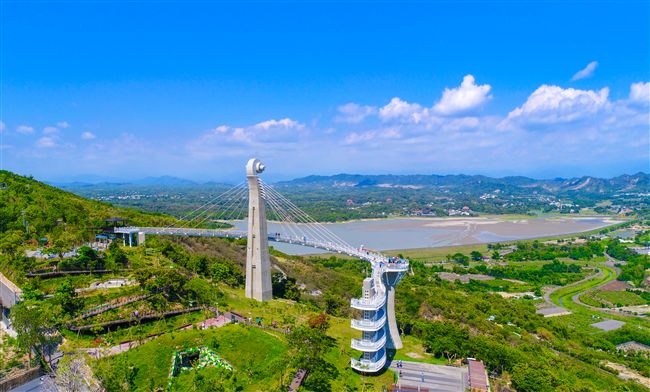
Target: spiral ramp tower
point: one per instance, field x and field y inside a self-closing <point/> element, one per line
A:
<point x="377" y="323"/>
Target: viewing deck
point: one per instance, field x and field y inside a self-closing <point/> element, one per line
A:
<point x="368" y="366"/>
<point x="369" y="325"/>
<point x="370" y="345"/>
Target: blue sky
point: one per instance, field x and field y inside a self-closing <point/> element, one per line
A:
<point x="193" y="89"/>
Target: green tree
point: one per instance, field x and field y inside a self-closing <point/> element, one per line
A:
<point x="116" y="255"/>
<point x="66" y="297"/>
<point x="308" y="345"/>
<point x="35" y="323"/>
<point x="460" y="258"/>
<point x="446" y="338"/>
<point x="333" y="303"/>
<point x="533" y="377"/>
<point x="11" y="242"/>
<point x="476" y="255"/>
<point x="285" y="287"/>
<point x="202" y="291"/>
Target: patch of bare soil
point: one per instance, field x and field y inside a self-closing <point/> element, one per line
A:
<point x="414" y="355"/>
<point x="628" y="374"/>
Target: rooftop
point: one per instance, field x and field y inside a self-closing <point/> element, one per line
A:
<point x="478" y="380"/>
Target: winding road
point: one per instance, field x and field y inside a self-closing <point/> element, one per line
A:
<point x="608" y="271"/>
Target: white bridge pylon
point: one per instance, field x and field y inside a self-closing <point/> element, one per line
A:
<point x="291" y="225"/>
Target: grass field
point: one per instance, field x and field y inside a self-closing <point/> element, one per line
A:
<point x="437" y="254"/>
<point x="256" y="355"/>
<point x="620" y="298"/>
<point x="563" y="296"/>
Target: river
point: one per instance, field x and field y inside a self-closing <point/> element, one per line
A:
<point x="409" y="233"/>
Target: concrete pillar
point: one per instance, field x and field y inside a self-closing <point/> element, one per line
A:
<point x="258" y="262"/>
<point x="141" y="238"/>
<point x="395" y="339"/>
<point x="130" y="240"/>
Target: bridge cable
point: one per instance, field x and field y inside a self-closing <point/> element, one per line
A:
<point x="207" y="213"/>
<point x="328" y="234"/>
<point x="184" y="218"/>
<point x="282" y="218"/>
<point x="308" y="220"/>
<point x="301" y="222"/>
<point x="236" y="198"/>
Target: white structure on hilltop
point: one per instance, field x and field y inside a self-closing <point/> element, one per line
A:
<point x="258" y="262"/>
<point x="377" y="306"/>
<point x="377" y="323"/>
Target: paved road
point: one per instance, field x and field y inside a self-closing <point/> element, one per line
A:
<point x="433" y="377"/>
<point x="33" y="386"/>
<point x="547" y="294"/>
<point x="617" y="271"/>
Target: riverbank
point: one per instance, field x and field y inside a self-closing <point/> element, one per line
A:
<point x="419" y="233"/>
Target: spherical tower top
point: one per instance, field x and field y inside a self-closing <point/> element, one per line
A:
<point x="254" y="167"/>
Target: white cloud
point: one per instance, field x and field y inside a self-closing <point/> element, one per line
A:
<point x="221" y="129"/>
<point x="553" y="104"/>
<point x="50" y="131"/>
<point x="286" y="123"/>
<point x="354" y="113"/>
<point x="372" y="136"/>
<point x="586" y="72"/>
<point x="267" y="134"/>
<point x="402" y="110"/>
<point x="640" y="93"/>
<point x="88" y="136"/>
<point x="25" y="129"/>
<point x="63" y="124"/>
<point x="455" y="101"/>
<point x="46" y="142"/>
<point x="468" y="96"/>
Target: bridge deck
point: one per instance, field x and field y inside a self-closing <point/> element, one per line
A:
<point x="370" y="256"/>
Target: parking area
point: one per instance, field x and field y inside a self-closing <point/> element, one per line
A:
<point x="428" y="377"/>
<point x="609" y="325"/>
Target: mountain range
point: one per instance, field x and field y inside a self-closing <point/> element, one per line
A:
<point x="636" y="183"/>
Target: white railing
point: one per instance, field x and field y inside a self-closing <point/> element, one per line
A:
<point x="372" y="257"/>
<point x="397" y="267"/>
<point x="369" y="325"/>
<point x="369" y="345"/>
<point x="363" y="365"/>
<point x="374" y="303"/>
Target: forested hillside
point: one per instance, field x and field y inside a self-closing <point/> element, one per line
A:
<point x="30" y="210"/>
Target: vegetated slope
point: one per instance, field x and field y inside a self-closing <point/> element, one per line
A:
<point x="30" y="209"/>
<point x="519" y="346"/>
<point x="325" y="281"/>
<point x="639" y="182"/>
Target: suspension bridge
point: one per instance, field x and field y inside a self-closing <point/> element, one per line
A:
<point x="251" y="199"/>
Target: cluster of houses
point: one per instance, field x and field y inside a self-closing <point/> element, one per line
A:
<point x="465" y="211"/>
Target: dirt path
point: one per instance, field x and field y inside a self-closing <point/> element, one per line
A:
<point x="628" y="374"/>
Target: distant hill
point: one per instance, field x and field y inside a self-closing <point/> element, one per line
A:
<point x="639" y="182"/>
<point x="163" y="181"/>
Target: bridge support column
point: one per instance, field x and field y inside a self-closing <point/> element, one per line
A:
<point x="395" y="339"/>
<point x="141" y="238"/>
<point x="258" y="262"/>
